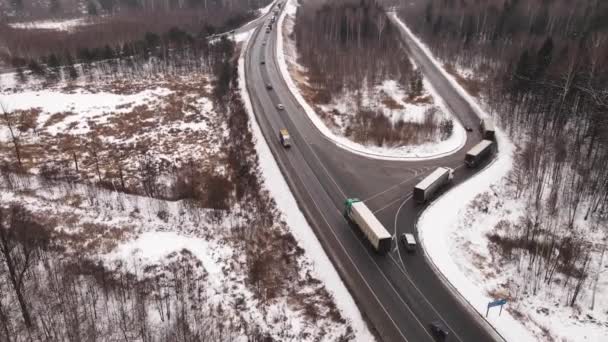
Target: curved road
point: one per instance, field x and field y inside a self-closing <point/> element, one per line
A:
<point x="398" y="293"/>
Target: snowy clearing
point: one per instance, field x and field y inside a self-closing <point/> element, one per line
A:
<point x="116" y="126"/>
<point x="286" y="53"/>
<point x="322" y="266"/>
<point x="54" y="25"/>
<point x="455" y="232"/>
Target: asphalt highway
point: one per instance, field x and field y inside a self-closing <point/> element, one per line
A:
<point x="399" y="293"/>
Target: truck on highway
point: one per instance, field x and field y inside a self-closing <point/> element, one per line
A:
<point x="284" y="137"/>
<point x="424" y="190"/>
<point x="487" y="129"/>
<point x="374" y="231"/>
<point x="478" y="153"/>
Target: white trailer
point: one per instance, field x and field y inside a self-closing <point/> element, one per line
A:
<point x="433" y="182"/>
<point x="373" y="230"/>
<point x="478" y="153"/>
<point x="487" y="129"/>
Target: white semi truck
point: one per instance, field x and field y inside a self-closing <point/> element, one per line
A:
<point x="487" y="129"/>
<point x="478" y="153"/>
<point x="424" y="190"/>
<point x="373" y="230"/>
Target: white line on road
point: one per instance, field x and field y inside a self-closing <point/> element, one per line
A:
<point x="407" y="197"/>
<point x="412" y="282"/>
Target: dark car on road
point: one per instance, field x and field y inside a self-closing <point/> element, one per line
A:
<point x="439" y="331"/>
<point x="268" y="86"/>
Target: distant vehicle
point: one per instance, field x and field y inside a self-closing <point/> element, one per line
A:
<point x="263" y="43"/>
<point x="487" y="129"/>
<point x="284" y="137"/>
<point x="280" y="106"/>
<point x="268" y="86"/>
<point x="263" y="62"/>
<point x="267" y="30"/>
<point x="468" y="128"/>
<point x="409" y="242"/>
<point x="424" y="190"/>
<point x="478" y="153"/>
<point x="438" y="330"/>
<point x="374" y="231"/>
<point x="232" y="32"/>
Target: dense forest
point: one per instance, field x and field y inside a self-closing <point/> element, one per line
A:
<point x="120" y="27"/>
<point x="345" y="43"/>
<point x="544" y="67"/>
<point x="349" y="47"/>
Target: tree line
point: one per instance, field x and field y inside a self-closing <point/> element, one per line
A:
<point x="545" y="68"/>
<point x="126" y="30"/>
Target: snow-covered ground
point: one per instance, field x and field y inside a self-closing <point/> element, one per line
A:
<point x="175" y="118"/>
<point x="128" y="233"/>
<point x="409" y="112"/>
<point x="55" y="25"/>
<point x="169" y="116"/>
<point x="454" y="233"/>
<point x="323" y="268"/>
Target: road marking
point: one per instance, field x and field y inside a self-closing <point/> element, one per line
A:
<point x="416" y="173"/>
<point x="291" y="98"/>
<point x="364" y="248"/>
<point x="407" y="197"/>
<point x="346" y="251"/>
<point x="412" y="282"/>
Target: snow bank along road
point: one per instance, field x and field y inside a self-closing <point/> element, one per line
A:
<point x="399" y="293"/>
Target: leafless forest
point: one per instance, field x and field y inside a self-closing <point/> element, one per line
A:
<point x="116" y="28"/>
<point x="348" y="46"/>
<point x="544" y="67"/>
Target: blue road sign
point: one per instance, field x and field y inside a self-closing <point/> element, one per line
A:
<point x="499" y="302"/>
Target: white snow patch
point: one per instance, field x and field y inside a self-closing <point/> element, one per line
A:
<point x="55" y="25"/>
<point x="153" y="247"/>
<point x="420" y="152"/>
<point x="323" y="269"/>
<point x="81" y="103"/>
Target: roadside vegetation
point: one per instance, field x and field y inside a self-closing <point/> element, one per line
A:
<point x="541" y="68"/>
<point x="350" y="65"/>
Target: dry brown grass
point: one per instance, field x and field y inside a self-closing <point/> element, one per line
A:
<point x="390" y="103"/>
<point x="150" y="129"/>
<point x="419" y="100"/>
<point x="57" y="118"/>
<point x="472" y="85"/>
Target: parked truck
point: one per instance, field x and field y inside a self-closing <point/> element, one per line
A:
<point x="374" y="231"/>
<point x="478" y="153"/>
<point x="487" y="129"/>
<point x="424" y="190"/>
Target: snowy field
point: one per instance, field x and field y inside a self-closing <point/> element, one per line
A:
<point x="387" y="97"/>
<point x="113" y="125"/>
<point x="53" y="25"/>
<point x="456" y="230"/>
